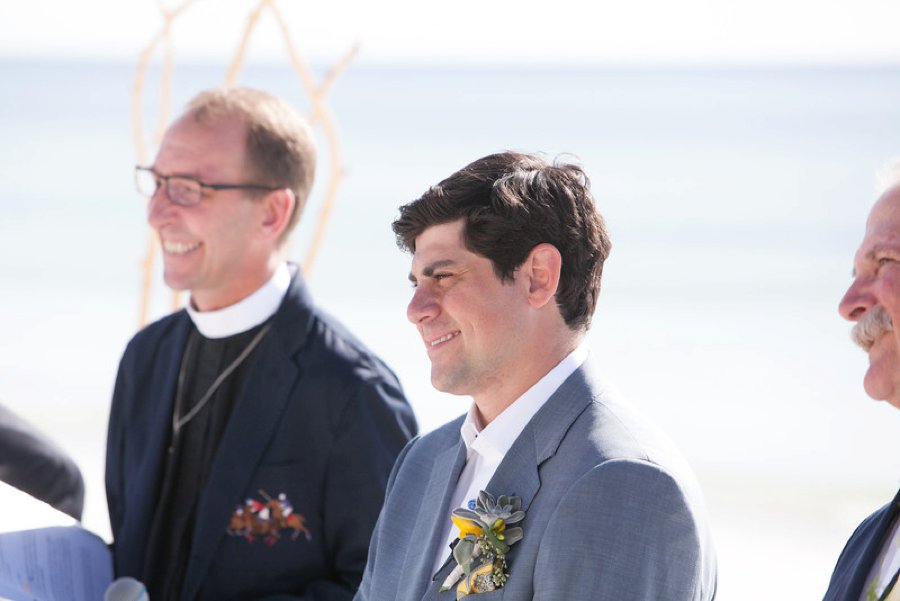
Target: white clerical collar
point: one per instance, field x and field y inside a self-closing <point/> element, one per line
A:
<point x="248" y="312"/>
<point x="497" y="437"/>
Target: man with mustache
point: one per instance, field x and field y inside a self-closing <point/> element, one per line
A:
<point x="867" y="569"/>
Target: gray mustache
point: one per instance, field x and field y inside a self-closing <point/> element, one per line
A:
<point x="874" y="322"/>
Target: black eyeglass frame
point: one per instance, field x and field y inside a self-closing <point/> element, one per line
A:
<point x="164" y="181"/>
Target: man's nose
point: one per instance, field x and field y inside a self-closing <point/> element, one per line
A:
<point x="422" y="306"/>
<point x="857" y="300"/>
<point x="159" y="207"/>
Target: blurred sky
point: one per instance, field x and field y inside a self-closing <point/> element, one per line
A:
<point x="749" y="511"/>
<point x="478" y="31"/>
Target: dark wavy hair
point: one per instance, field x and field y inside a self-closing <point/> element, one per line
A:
<point x="511" y="202"/>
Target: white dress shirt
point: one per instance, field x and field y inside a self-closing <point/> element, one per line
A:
<point x="486" y="447"/>
<point x="248" y="312"/>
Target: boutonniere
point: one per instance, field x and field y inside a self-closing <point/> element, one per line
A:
<point x="485" y="537"/>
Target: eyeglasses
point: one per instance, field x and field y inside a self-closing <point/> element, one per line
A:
<point x="182" y="191"/>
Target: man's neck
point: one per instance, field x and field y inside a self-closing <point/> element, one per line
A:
<point x="488" y="407"/>
<point x="248" y="312"/>
<point x="238" y="288"/>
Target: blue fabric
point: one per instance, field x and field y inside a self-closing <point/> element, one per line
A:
<point x="860" y="553"/>
<point x="612" y="511"/>
<point x="320" y="419"/>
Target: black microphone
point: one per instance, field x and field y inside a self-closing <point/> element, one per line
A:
<point x="126" y="589"/>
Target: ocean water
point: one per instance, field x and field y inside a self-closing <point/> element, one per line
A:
<point x="735" y="199"/>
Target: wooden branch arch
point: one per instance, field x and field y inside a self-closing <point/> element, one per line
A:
<point x="316" y="92"/>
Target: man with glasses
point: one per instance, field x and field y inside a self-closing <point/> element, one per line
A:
<point x="250" y="436"/>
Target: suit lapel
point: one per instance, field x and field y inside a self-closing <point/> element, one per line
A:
<point x="518" y="472"/>
<point x="518" y="475"/>
<point x="434" y="584"/>
<point x="420" y="561"/>
<point x="160" y="398"/>
<point x="252" y="424"/>
<point x="867" y="559"/>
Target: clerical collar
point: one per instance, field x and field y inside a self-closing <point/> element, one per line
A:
<point x="495" y="439"/>
<point x="248" y="312"/>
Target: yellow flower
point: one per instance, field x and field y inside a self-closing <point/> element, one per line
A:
<point x="485" y="537"/>
<point x="466" y="526"/>
<point x="479" y="581"/>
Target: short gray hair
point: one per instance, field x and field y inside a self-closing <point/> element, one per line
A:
<point x="888" y="176"/>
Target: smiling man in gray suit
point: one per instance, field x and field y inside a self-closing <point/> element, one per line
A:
<point x="557" y="488"/>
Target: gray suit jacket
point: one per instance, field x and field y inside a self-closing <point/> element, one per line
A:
<point x="612" y="511"/>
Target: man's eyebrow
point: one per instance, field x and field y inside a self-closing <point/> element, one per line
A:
<point x="880" y="248"/>
<point x="429" y="269"/>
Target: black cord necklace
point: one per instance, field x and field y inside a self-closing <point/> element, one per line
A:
<point x="179" y="422"/>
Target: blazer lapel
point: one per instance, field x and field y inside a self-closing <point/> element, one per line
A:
<point x="433" y="593"/>
<point x="253" y="423"/>
<point x="417" y="569"/>
<point x="518" y="475"/>
<point x="159" y="398"/>
<point x="858" y="571"/>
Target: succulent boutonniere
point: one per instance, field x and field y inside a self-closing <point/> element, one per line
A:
<point x="485" y="537"/>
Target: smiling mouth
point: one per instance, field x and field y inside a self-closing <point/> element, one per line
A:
<point x="443" y="339"/>
<point x="179" y="248"/>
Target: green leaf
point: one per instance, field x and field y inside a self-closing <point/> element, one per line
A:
<point x="485" y="501"/>
<point x="467" y="514"/>
<point x="498" y="544"/>
<point x="513" y="535"/>
<point x="463" y="552"/>
<point x="518" y="516"/>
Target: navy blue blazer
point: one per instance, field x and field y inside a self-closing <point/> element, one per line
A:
<point x="860" y="552"/>
<point x="319" y="420"/>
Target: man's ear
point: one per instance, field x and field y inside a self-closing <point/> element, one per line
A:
<point x="278" y="206"/>
<point x="542" y="268"/>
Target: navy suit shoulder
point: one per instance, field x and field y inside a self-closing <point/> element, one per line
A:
<point x="341" y="363"/>
<point x="316" y="427"/>
<point x="856" y="559"/>
<point x="143" y="352"/>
